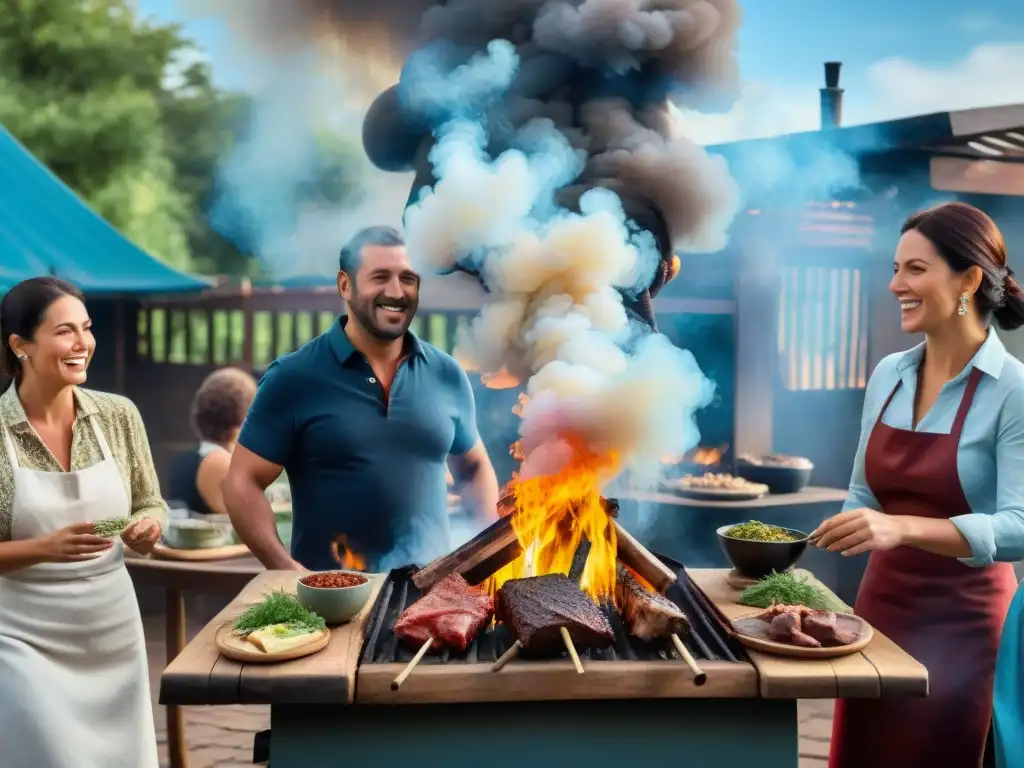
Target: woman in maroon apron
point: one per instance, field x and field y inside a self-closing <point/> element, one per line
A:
<point x="932" y="583"/>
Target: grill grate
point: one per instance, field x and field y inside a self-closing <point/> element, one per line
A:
<point x="707" y="639"/>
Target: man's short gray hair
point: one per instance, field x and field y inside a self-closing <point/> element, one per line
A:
<point x="352" y="252"/>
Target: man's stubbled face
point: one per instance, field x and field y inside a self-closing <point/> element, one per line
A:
<point x="384" y="293"/>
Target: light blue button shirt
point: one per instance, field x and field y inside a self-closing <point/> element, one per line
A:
<point x="990" y="458"/>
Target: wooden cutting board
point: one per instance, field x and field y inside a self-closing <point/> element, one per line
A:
<point x="163" y="552"/>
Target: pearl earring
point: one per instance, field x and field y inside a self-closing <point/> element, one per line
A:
<point x="964" y="299"/>
<point x="23" y="357"/>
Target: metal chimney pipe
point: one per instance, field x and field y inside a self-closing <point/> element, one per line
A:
<point x="832" y="97"/>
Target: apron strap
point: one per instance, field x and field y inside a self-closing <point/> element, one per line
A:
<point x="12" y="451"/>
<point x="104" y="448"/>
<point x="885" y="405"/>
<point x="965" y="402"/>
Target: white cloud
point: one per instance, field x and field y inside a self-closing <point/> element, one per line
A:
<point x="988" y="76"/>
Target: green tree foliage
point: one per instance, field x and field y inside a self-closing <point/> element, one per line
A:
<point x="126" y="113"/>
<point x="80" y="85"/>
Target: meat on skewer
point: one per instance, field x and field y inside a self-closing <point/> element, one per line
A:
<point x="548" y="613"/>
<point x="450" y="615"/>
<point x="648" y="615"/>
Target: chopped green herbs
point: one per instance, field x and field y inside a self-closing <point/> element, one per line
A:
<point x="279" y="607"/>
<point x="113" y="526"/>
<point x="787" y="589"/>
<point x="757" y="531"/>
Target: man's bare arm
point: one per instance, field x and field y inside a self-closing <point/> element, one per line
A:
<point x="476" y="481"/>
<point x="250" y="511"/>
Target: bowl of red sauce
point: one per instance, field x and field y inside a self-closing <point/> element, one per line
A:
<point x="337" y="596"/>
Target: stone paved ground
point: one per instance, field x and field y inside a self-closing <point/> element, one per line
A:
<point x="221" y="737"/>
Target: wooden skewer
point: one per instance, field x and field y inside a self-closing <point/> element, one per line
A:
<point x="397" y="682"/>
<point x="699" y="675"/>
<point x="571" y="649"/>
<point x="506" y="657"/>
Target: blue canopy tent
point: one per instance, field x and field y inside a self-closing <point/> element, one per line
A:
<point x="46" y="229"/>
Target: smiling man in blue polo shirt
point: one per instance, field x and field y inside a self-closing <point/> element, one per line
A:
<point x="363" y="418"/>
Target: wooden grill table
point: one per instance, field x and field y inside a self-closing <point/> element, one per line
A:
<point x="330" y="708"/>
<point x="175" y="578"/>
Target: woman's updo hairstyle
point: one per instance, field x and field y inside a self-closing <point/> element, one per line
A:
<point x="966" y="237"/>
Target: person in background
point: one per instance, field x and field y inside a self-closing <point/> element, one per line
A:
<point x="218" y="410"/>
<point x="937" y="494"/>
<point x="74" y="679"/>
<point x="363" y="418"/>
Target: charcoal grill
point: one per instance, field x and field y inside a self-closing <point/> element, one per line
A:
<point x="631" y="667"/>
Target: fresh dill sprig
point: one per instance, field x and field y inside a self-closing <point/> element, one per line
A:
<point x="113" y="526"/>
<point x="279" y="607"/>
<point x="787" y="589"/>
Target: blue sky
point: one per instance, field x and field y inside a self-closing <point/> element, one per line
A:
<point x="783" y="44"/>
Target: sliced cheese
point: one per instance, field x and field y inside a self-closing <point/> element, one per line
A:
<point x="277" y="638"/>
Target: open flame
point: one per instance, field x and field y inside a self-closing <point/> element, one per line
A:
<point x="552" y="513"/>
<point x="344" y="555"/>
<point x="702" y="456"/>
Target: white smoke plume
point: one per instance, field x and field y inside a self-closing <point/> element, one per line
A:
<point x="544" y="164"/>
<point x="555" y="317"/>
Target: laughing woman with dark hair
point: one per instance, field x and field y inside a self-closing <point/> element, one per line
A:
<point x="937" y="494"/>
<point x="74" y="681"/>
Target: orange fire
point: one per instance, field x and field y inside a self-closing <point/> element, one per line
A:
<point x="703" y="456"/>
<point x="499" y="380"/>
<point x="553" y="513"/>
<point x="344" y="556"/>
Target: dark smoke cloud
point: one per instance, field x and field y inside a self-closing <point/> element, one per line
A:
<point x="544" y="162"/>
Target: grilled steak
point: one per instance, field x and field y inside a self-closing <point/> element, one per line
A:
<point x="800" y="625"/>
<point x="536" y="608"/>
<point x="785" y="628"/>
<point x="777" y="608"/>
<point x="452" y="612"/>
<point x="647" y="614"/>
<point x="822" y="627"/>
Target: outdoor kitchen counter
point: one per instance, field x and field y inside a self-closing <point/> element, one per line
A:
<point x="200" y="675"/>
<point x="881" y="670"/>
<point x="744" y="715"/>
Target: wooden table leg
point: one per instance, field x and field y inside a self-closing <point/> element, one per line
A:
<point x="177" y="749"/>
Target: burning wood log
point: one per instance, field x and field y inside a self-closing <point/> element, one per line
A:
<point x="579" y="560"/>
<point x="632" y="553"/>
<point x="496" y="546"/>
<point x="490" y="550"/>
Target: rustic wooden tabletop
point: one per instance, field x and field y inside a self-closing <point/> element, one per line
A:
<point x="200" y="675"/>
<point x="881" y="670"/>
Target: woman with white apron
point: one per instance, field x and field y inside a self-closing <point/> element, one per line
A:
<point x="74" y="679"/>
